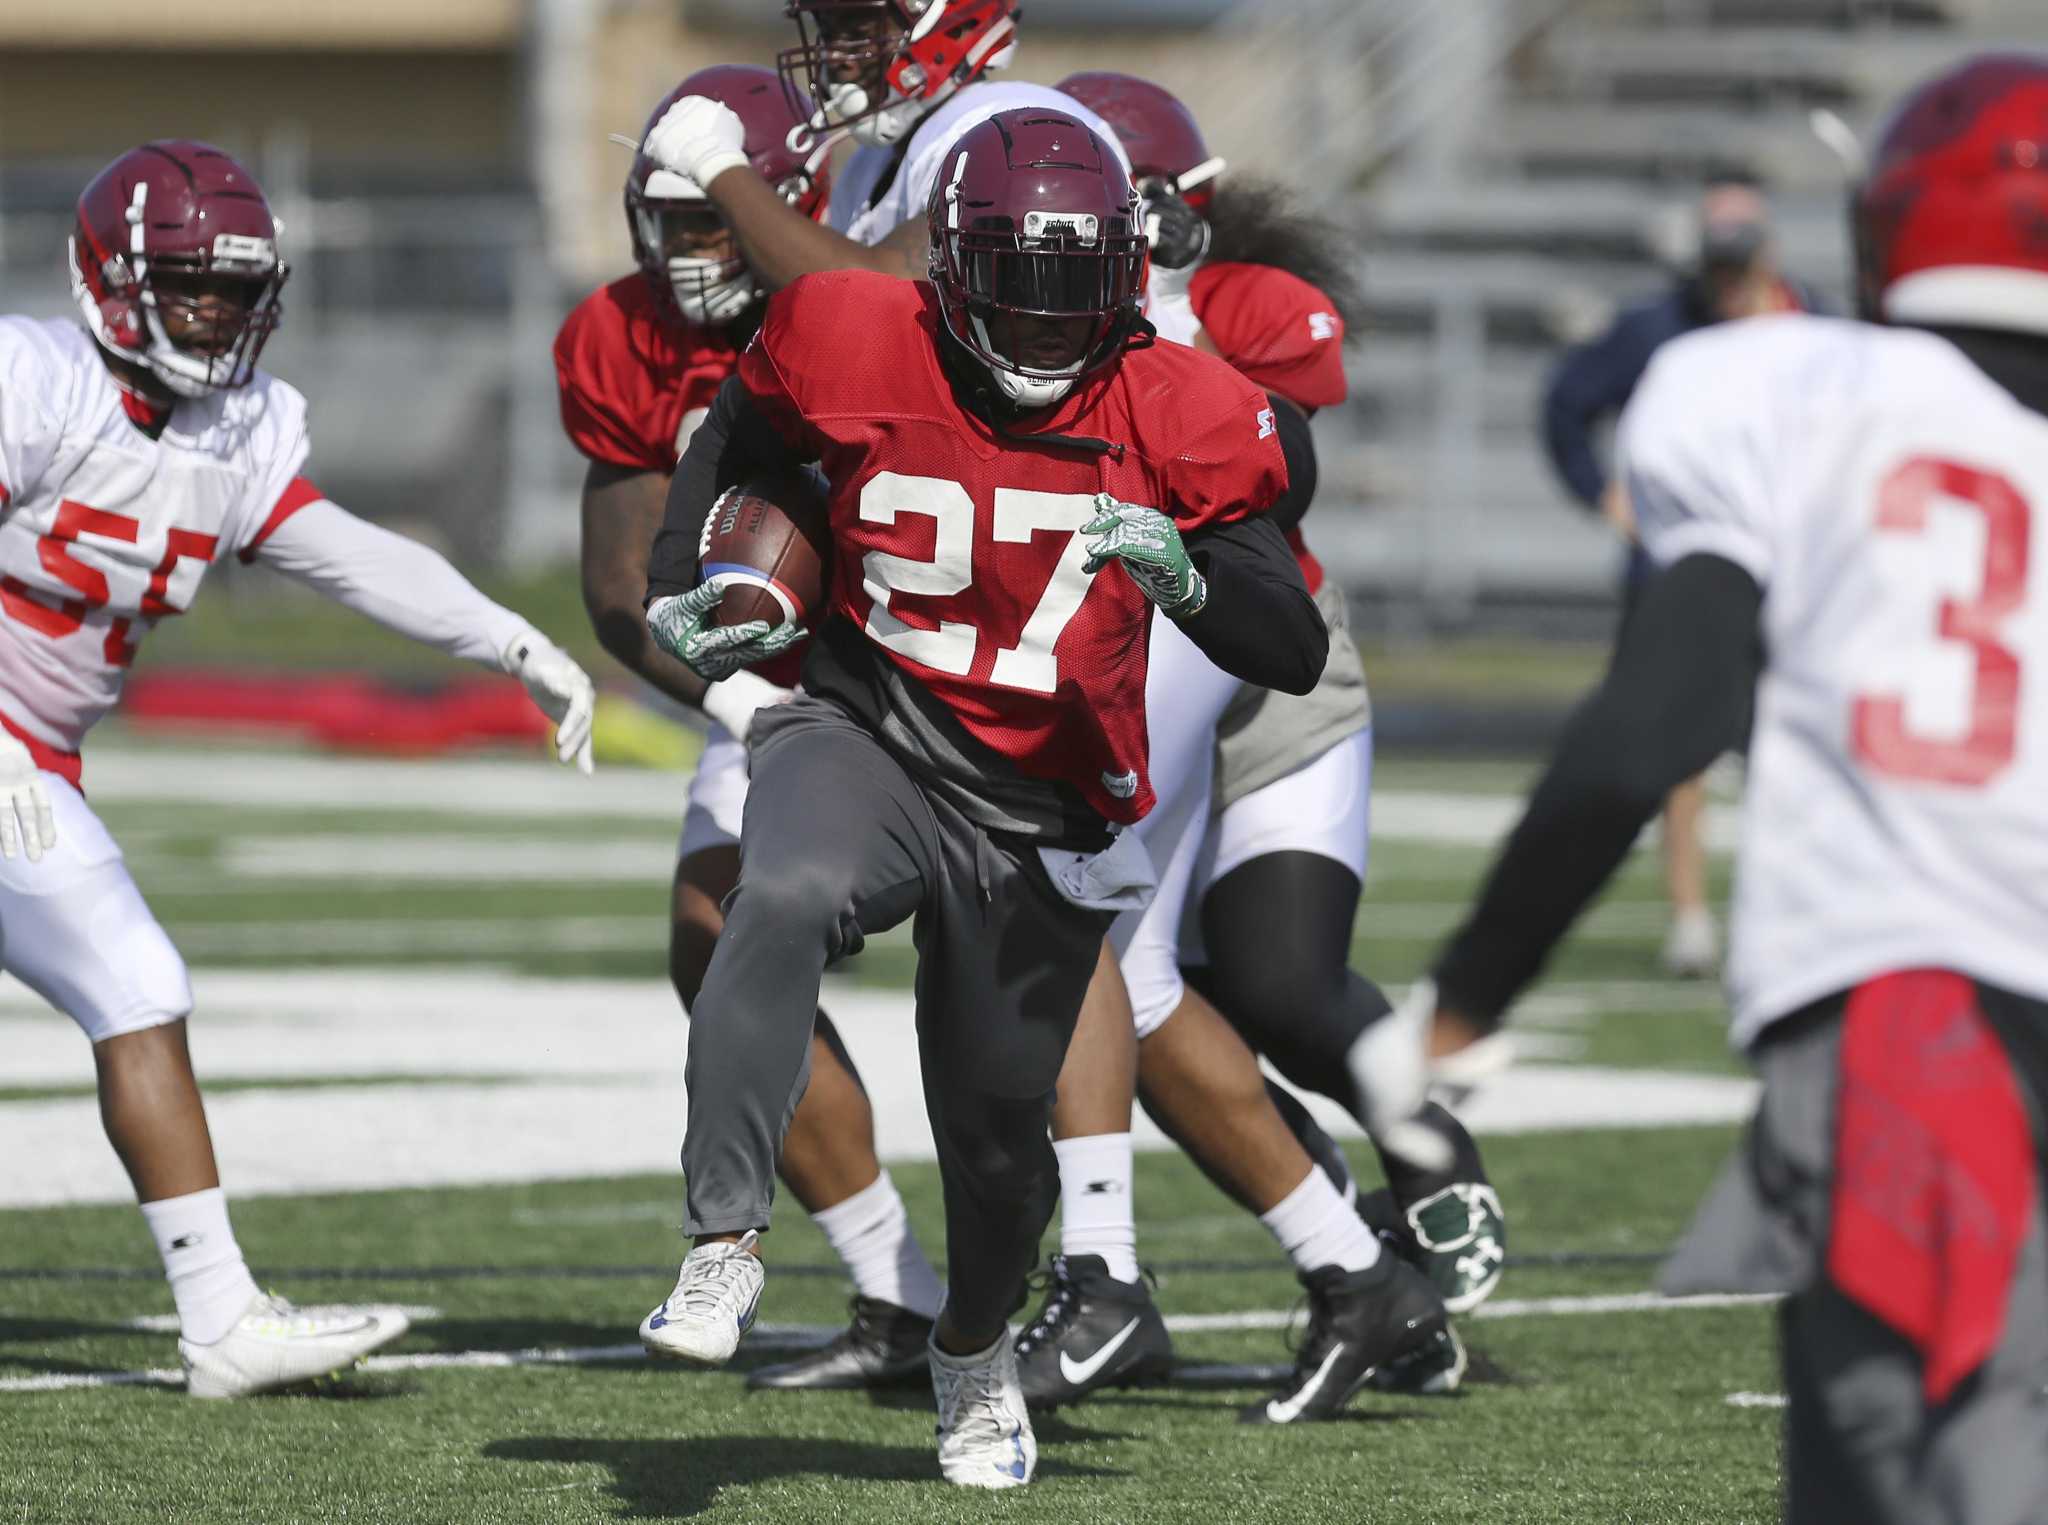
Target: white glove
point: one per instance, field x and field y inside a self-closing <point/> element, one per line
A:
<point x="26" y="819"/>
<point x="699" y="138"/>
<point x="734" y="701"/>
<point x="563" y="691"/>
<point x="1392" y="1074"/>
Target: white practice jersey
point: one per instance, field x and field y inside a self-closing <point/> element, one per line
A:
<point x="104" y="531"/>
<point x="1892" y="503"/>
<point x="906" y="195"/>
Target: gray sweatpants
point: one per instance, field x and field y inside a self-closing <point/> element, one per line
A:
<point x="1862" y="1444"/>
<point x="839" y="842"/>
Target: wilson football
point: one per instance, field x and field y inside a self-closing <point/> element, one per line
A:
<point x="770" y="538"/>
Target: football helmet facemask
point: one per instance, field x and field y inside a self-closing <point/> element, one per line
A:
<point x="174" y="265"/>
<point x="1037" y="252"/>
<point x="680" y="242"/>
<point x="874" y="67"/>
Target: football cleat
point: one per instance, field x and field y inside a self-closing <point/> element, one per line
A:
<point x="1457" y="1237"/>
<point x="1092" y="1332"/>
<point x="985" y="1438"/>
<point x="1384" y="1319"/>
<point x="713" y="1304"/>
<point x="276" y="1345"/>
<point x="883" y="1345"/>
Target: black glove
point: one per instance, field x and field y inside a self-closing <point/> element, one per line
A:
<point x="1178" y="235"/>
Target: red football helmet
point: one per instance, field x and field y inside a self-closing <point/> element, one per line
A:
<point x="875" y="66"/>
<point x="711" y="283"/>
<point x="1951" y="222"/>
<point x="177" y="230"/>
<point x="1036" y="251"/>
<point x="1156" y="130"/>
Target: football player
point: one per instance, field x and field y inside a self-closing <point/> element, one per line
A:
<point x="972" y="735"/>
<point x="906" y="80"/>
<point x="875" y="220"/>
<point x="1848" y="523"/>
<point x="1274" y="879"/>
<point x="638" y="362"/>
<point x="137" y="449"/>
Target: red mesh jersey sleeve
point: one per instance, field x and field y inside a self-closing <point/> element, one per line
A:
<point x="1228" y="463"/>
<point x="836" y="346"/>
<point x="1276" y="328"/>
<point x="615" y="407"/>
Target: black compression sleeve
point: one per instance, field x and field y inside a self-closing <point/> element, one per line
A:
<point x="1259" y="624"/>
<point x="1298" y="445"/>
<point x="1679" y="694"/>
<point x="733" y="441"/>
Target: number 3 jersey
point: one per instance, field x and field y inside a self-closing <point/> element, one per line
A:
<point x="956" y="552"/>
<point x="1889" y="498"/>
<point x="104" y="531"/>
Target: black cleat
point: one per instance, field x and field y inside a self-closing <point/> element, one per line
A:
<point x="884" y="1345"/>
<point x="1093" y="1332"/>
<point x="1385" y="1319"/>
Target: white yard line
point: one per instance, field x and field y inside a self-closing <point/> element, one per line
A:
<point x="603" y="1094"/>
<point x="802" y="1336"/>
<point x="521" y="787"/>
<point x="1756" y="1400"/>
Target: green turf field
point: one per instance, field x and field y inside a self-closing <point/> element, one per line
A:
<point x="1575" y="1414"/>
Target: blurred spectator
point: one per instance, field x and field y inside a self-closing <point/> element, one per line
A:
<point x="1735" y="275"/>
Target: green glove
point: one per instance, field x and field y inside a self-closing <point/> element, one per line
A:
<point x="680" y="625"/>
<point x="1148" y="546"/>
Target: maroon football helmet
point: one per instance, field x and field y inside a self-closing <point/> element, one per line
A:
<point x="875" y="66"/>
<point x="1156" y="130"/>
<point x="711" y="284"/>
<point x="1951" y="222"/>
<point x="178" y="231"/>
<point x="1036" y="251"/>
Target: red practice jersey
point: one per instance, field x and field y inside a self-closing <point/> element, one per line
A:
<point x="955" y="549"/>
<point x="1285" y="335"/>
<point x="635" y="379"/>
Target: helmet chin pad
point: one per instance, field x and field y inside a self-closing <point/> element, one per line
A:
<point x="1031" y="391"/>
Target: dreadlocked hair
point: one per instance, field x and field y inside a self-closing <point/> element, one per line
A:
<point x="1256" y="222"/>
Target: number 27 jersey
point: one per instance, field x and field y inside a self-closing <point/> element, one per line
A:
<point x="956" y="549"/>
<point x="1890" y="499"/>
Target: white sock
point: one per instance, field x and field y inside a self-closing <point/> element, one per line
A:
<point x="209" y="1279"/>
<point x="1095" y="1201"/>
<point x="1316" y="1229"/>
<point x="870" y="1232"/>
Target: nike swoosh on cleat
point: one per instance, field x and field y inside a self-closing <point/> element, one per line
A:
<point x="1078" y="1372"/>
<point x="656" y="1321"/>
<point x="1287" y="1410"/>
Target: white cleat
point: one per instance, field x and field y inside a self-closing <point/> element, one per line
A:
<point x="1692" y="948"/>
<point x="985" y="1438"/>
<point x="276" y="1345"/>
<point x="713" y="1304"/>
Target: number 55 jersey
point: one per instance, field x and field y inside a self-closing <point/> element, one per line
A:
<point x="1888" y="497"/>
<point x="956" y="555"/>
<point x="104" y="530"/>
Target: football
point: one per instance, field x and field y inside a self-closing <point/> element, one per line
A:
<point x="770" y="538"/>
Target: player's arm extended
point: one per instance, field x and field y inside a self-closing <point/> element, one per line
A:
<point x="410" y="588"/>
<point x="622" y="512"/>
<point x="1678" y="695"/>
<point x="780" y="243"/>
<point x="702" y="140"/>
